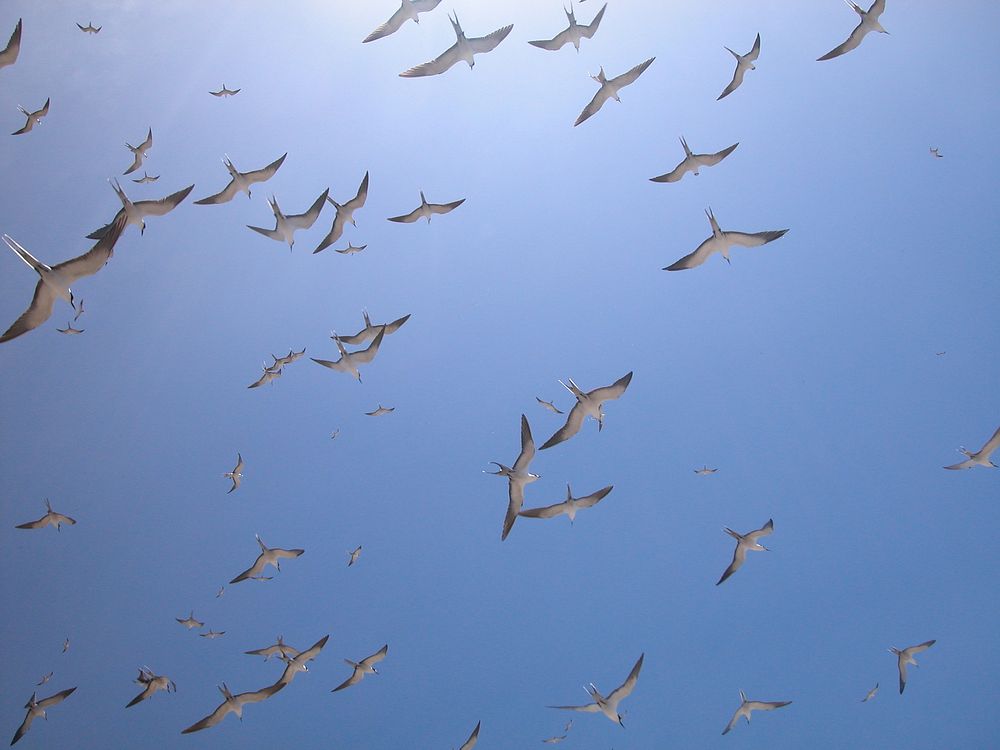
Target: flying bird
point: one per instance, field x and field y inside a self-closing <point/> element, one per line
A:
<point x="225" y="92"/>
<point x="721" y="241"/>
<point x="89" y="28"/>
<point x="33" y="117"/>
<point x="297" y="663"/>
<point x="232" y="704"/>
<point x="267" y="556"/>
<point x="354" y="555"/>
<point x="869" y="22"/>
<point x="370" y="330"/>
<point x="139" y="152"/>
<point x="609" y="706"/>
<point x="136" y="213"/>
<point x="425" y="210"/>
<point x="45" y="678"/>
<point x="37" y="708"/>
<point x="693" y="163"/>
<point x="473" y="738"/>
<point x="743" y="64"/>
<point x="905" y="656"/>
<point x="69" y="329"/>
<point x="286" y="224"/>
<point x="345" y="213"/>
<point x="51" y="518"/>
<point x="146" y="178"/>
<point x="213" y="634"/>
<point x="569" y="506"/>
<point x="9" y="54"/>
<point x="609" y="89"/>
<point x="380" y="411"/>
<point x="65" y="645"/>
<point x="980" y="457"/>
<point x="746" y="706"/>
<point x="151" y="683"/>
<point x="292" y="356"/>
<point x="270" y="373"/>
<point x="549" y="405"/>
<point x="349" y="361"/>
<point x="79" y="310"/>
<point x="574" y="33"/>
<point x="870" y="694"/>
<point x="220" y="592"/>
<point x="241" y="181"/>
<point x="351" y="249"/>
<point x="745" y="542"/>
<point x="935" y="153"/>
<point x="588" y="404"/>
<point x="189" y="621"/>
<point x="409" y="10"/>
<point x="236" y="475"/>
<point x="462" y="49"/>
<point x="704" y="471"/>
<point x="278" y="649"/>
<point x="363" y="667"/>
<point x="517" y="476"/>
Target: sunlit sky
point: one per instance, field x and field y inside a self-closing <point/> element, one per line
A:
<point x="828" y="375"/>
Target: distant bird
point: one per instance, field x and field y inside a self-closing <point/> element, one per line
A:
<point x="609" y="706"/>
<point x="408" y="10"/>
<point x="241" y="181"/>
<point x="65" y="645"/>
<point x="425" y="210"/>
<point x="51" y="518"/>
<point x="743" y="64"/>
<point x="335" y="434"/>
<point x="574" y="33"/>
<point x="462" y="49"/>
<point x="345" y="214"/>
<point x="37" y="708"/>
<point x="79" y="310"/>
<point x="33" y="117"/>
<point x="9" y="54"/>
<point x="745" y="542"/>
<point x="746" y="706"/>
<point x="351" y="249"/>
<point x="905" y="656"/>
<point x="549" y="405"/>
<point x="139" y="152"/>
<point x="934" y="152"/>
<point x="721" y="241"/>
<point x="89" y="28"/>
<point x="236" y="475"/>
<point x="609" y="88"/>
<point x="286" y="224"/>
<point x="269" y="374"/>
<point x="569" y="506"/>
<point x="363" y="667"/>
<point x="554" y="740"/>
<point x="370" y="330"/>
<point x="869" y="22"/>
<point x="349" y="361"/>
<point x="473" y="738"/>
<point x="704" y="471"/>
<point x="220" y="592"/>
<point x="870" y="694"/>
<point x="213" y="634"/>
<point x="354" y="555"/>
<point x="267" y="556"/>
<point x="136" y="213"/>
<point x="292" y="356"/>
<point x="232" y="704"/>
<point x="278" y="649"/>
<point x="980" y="457"/>
<point x="297" y="663"/>
<point x="517" y="476"/>
<point x="45" y="678"/>
<point x="69" y="329"/>
<point x="146" y="178"/>
<point x="225" y="92"/>
<point x="590" y="404"/>
<point x="151" y="683"/>
<point x="693" y="163"/>
<point x="189" y="621"/>
<point x="380" y="411"/>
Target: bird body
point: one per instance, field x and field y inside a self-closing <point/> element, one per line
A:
<point x="980" y="457"/>
<point x="345" y="214"/>
<point x="51" y="518"/>
<point x="151" y="683"/>
<point x="236" y="475"/>
<point x="609" y="705"/>
<point x="189" y="621"/>
<point x="349" y="361"/>
<point x="904" y="656"/>
<point x="363" y="667"/>
<point x="267" y="556"/>
<point x="139" y="152"/>
<point x="89" y="28"/>
<point x="569" y="506"/>
<point x="232" y="704"/>
<point x="425" y="210"/>
<point x="37" y="708"/>
<point x="225" y="92"/>
<point x="370" y="331"/>
<point x="136" y="213"/>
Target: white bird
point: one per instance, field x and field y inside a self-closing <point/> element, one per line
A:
<point x="574" y="33"/>
<point x="704" y="471"/>
<point x="297" y="662"/>
<point x="139" y="152"/>
<point x="51" y="518"/>
<point x="33" y="117"/>
<point x="721" y="241"/>
<point x="267" y="556"/>
<point x="9" y="54"/>
<point x="225" y="92"/>
<point x="549" y="405"/>
<point x="409" y="10"/>
<point x="189" y="621"/>
<point x="241" y="181"/>
<point x="363" y="667"/>
<point x="588" y="404"/>
<point x="354" y="555"/>
<point x="462" y="49"/>
<point x="609" y="88"/>
<point x="517" y="476"/>
<point x="473" y="738"/>
<point x="869" y="22"/>
<point x="69" y="329"/>
<point x="278" y="649"/>
<point x="89" y="28"/>
<point x="870" y="694"/>
<point x="269" y="374"/>
<point x="236" y="475"/>
<point x="349" y="361"/>
<point x="37" y="708"/>
<point x="425" y="210"/>
<point x="370" y="330"/>
<point x="693" y="163"/>
<point x="905" y="656"/>
<point x="292" y="356"/>
<point x="345" y="213"/>
<point x="213" y="634"/>
<point x="351" y="249"/>
<point x="569" y="506"/>
<point x="934" y="153"/>
<point x="980" y="457"/>
<point x="232" y="704"/>
<point x="151" y="683"/>
<point x="745" y="542"/>
<point x="286" y="224"/>
<point x="743" y="64"/>
<point x="380" y="411"/>
<point x="609" y="706"/>
<point x="45" y="678"/>
<point x="746" y="706"/>
<point x="136" y="213"/>
<point x="146" y="177"/>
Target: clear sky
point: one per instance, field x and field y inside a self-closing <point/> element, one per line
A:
<point x="807" y="372"/>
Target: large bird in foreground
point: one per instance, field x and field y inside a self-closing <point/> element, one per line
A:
<point x="462" y="49"/>
<point x="905" y="656"/>
<point x="37" y="708"/>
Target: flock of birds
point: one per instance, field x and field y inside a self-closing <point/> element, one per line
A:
<point x="55" y="282"/>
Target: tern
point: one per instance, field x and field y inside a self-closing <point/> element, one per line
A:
<point x="380" y="411"/>
<point x="345" y="213"/>
<point x="65" y="645"/>
<point x="905" y="656"/>
<point x="269" y="374"/>
<point x="232" y="704"/>
<point x="549" y="405"/>
<point x="286" y="224"/>
<point x="79" y="310"/>
<point x="351" y="249"/>
<point x="189" y="621"/>
<point x="69" y="329"/>
<point x="609" y="88"/>
<point x="212" y="634"/>
<point x="569" y="506"/>
<point x="517" y="476"/>
<point x="9" y="54"/>
<point x="236" y="475"/>
<point x="425" y="210"/>
<point x="220" y="592"/>
<point x="139" y="152"/>
<point x="409" y="10"/>
<point x="473" y="738"/>
<point x="292" y="356"/>
<point x="609" y="706"/>
<point x="136" y="213"/>
<point x="934" y="153"/>
<point x="89" y="28"/>
<point x="745" y="542"/>
<point x="554" y="740"/>
<point x="349" y="361"/>
<point x="721" y="241"/>
<point x="574" y="33"/>
<point x="354" y="555"/>
<point x="297" y="663"/>
<point x="743" y="64"/>
<point x="225" y="92"/>
<point x="278" y="649"/>
<point x="151" y="683"/>
<point x="704" y="471"/>
<point x="870" y="694"/>
<point x="146" y="177"/>
<point x="588" y="404"/>
<point x="980" y="457"/>
<point x="33" y="117"/>
<point x="370" y="331"/>
<point x="869" y="22"/>
<point x="37" y="708"/>
<point x="462" y="49"/>
<point x="45" y="678"/>
<point x="693" y="163"/>
<point x="267" y="556"/>
<point x="51" y="518"/>
<point x="241" y="181"/>
<point x="363" y="667"/>
<point x="746" y="706"/>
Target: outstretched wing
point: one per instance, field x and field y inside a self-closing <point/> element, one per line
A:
<point x="307" y="219"/>
<point x="694" y="259"/>
<point x="629" y="76"/>
<point x="623" y="690"/>
<point x="354" y="679"/>
<point x="549" y="511"/>
<point x="443" y="208"/>
<point x="164" y="205"/>
<point x="753" y="240"/>
<point x="573" y="424"/>
<point x="555" y="42"/>
<point x="676" y="174"/>
<point x="407" y="218"/>
<point x="9" y="56"/>
<point x="367" y="355"/>
<point x="589" y="30"/>
<point x="850" y="43"/>
<point x="739" y="555"/>
<point x="488" y="43"/>
<point x="473" y="738"/>
<point x="375" y="658"/>
<point x="613" y="391"/>
<point x="391" y="26"/>
<point x="438" y="65"/>
<point x="591" y="500"/>
<point x="527" y="446"/>
<point x="710" y="160"/>
<point x="253" y="570"/>
<point x="595" y="104"/>
<point x="265" y="173"/>
<point x="334" y="234"/>
<point x="515" y="501"/>
<point x="741" y="71"/>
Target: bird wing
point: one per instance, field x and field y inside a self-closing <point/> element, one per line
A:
<point x="39" y="524"/>
<point x="629" y="76"/>
<point x="359" y="338"/>
<point x="590" y="29"/>
<point x="527" y="446"/>
<point x="443" y="208"/>
<point x="438" y="65"/>
<point x="739" y="555"/>
<point x="901" y="662"/>
<point x="850" y="43"/>
<point x="966" y="464"/>
<point x="471" y="742"/>
<point x="481" y="44"/>
<point x="590" y="708"/>
<point x="734" y="84"/>
<point x="398" y="323"/>
<point x="253" y="570"/>
<point x="273" y="234"/>
<point x="338" y="365"/>
<point x="991" y="445"/>
<point x="137" y="157"/>
<point x="27" y="127"/>
<point x="422" y="6"/>
<point x="613" y="391"/>
<point x="367" y="355"/>
<point x="515" y="500"/>
<point x="63" y="695"/>
<point x="407" y="218"/>
<point x="591" y="500"/>
<point x="766" y="705"/>
<point x="375" y="658"/>
<point x="674" y="175"/>
<point x="313" y="651"/>
<point x="359" y="199"/>
<point x="573" y="423"/>
<point x="26" y="724"/>
<point x="354" y="679"/>
<point x="164" y="205"/>
<point x="596" y="103"/>
<point x="753" y="240"/>
<point x="217" y="93"/>
<point x="212" y="719"/>
<point x="732" y="721"/>
<point x="623" y="690"/>
<point x="37" y="313"/>
<point x="754" y="52"/>
<point x="767" y="528"/>
<point x="391" y="26"/>
<point x="710" y="160"/>
<point x="278" y="552"/>
<point x="265" y="173"/>
<point x="549" y="511"/>
<point x="696" y="258"/>
<point x="555" y="42"/>
<point x="60" y="518"/>
<point x="8" y="57"/>
<point x="224" y="196"/>
<point x="334" y="234"/>
<point x="921" y="647"/>
<point x="146" y="693"/>
<point x="307" y="219"/>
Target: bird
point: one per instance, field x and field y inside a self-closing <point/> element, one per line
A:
<point x="69" y="329"/>
<point x="354" y="555"/>
<point x="37" y="708"/>
<point x="869" y="22"/>
<point x="9" y="54"/>
<point x="351" y="249"/>
<point x="349" y="361"/>
<point x="212" y="634"/>
<point x="870" y="694"/>
<point x="45" y="678"/>
<point x="425" y="210"/>
<point x="935" y="153"/>
<point x="65" y="647"/>
<point x="380" y="411"/>
<point x="980" y="457"/>
<point x="278" y="649"/>
<point x="51" y="518"/>
<point x="292" y="356"/>
<point x="33" y="117"/>
<point x="462" y="49"/>
<point x="609" y="88"/>
<point x="905" y="656"/>
<point x="139" y="152"/>
<point x="363" y="667"/>
<point x="517" y="476"/>
<point x="286" y="224"/>
<point x="79" y="310"/>
<point x="267" y="556"/>
<point x="225" y="92"/>
<point x="136" y="213"/>
<point x="297" y="663"/>
<point x="236" y="475"/>
<point x="704" y="471"/>
<point x="721" y="241"/>
<point x="345" y="213"/>
<point x="241" y="181"/>
<point x="743" y="64"/>
<point x="151" y="683"/>
<point x="269" y="374"/>
<point x="693" y="163"/>
<point x="554" y="740"/>
<point x="146" y="177"/>
<point x="746" y="706"/>
<point x="745" y="542"/>
<point x="370" y="331"/>
<point x="89" y="28"/>
<point x="609" y="706"/>
<point x="408" y="10"/>
<point x="232" y="704"/>
<point x="335" y="434"/>
<point x="588" y="404"/>
<point x="569" y="506"/>
<point x="220" y="592"/>
<point x="549" y="405"/>
<point x="189" y="621"/>
<point x="574" y="33"/>
<point x="473" y="738"/>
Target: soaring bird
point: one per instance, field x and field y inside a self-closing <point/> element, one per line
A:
<point x="409" y="10"/>
<point x="345" y="213"/>
<point x="517" y="476"/>
<point x="241" y="181"/>
<point x="569" y="506"/>
<point x="905" y="656"/>
<point x="139" y="152"/>
<point x="267" y="556"/>
<point x="425" y="210"/>
<point x="232" y="704"/>
<point x="869" y="22"/>
<point x="363" y="667"/>
<point x="574" y="33"/>
<point x="462" y="49"/>
<point x="89" y="28"/>
<point x="37" y="708"/>
<point x="278" y="649"/>
<point x="151" y="683"/>
<point x="746" y="706"/>
<point x="589" y="404"/>
<point x="136" y="213"/>
<point x="225" y="92"/>
<point x="286" y="224"/>
<point x="693" y="163"/>
<point x="297" y="662"/>
<point x="610" y="87"/>
<point x="609" y="706"/>
<point x="349" y="361"/>
<point x="721" y="241"/>
<point x="980" y="457"/>
<point x="236" y="475"/>
<point x="370" y="330"/>
<point x="745" y="542"/>
<point x="743" y="64"/>
<point x="51" y="518"/>
<point x="33" y="117"/>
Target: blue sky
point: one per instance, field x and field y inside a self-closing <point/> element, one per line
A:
<point x="806" y="372"/>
